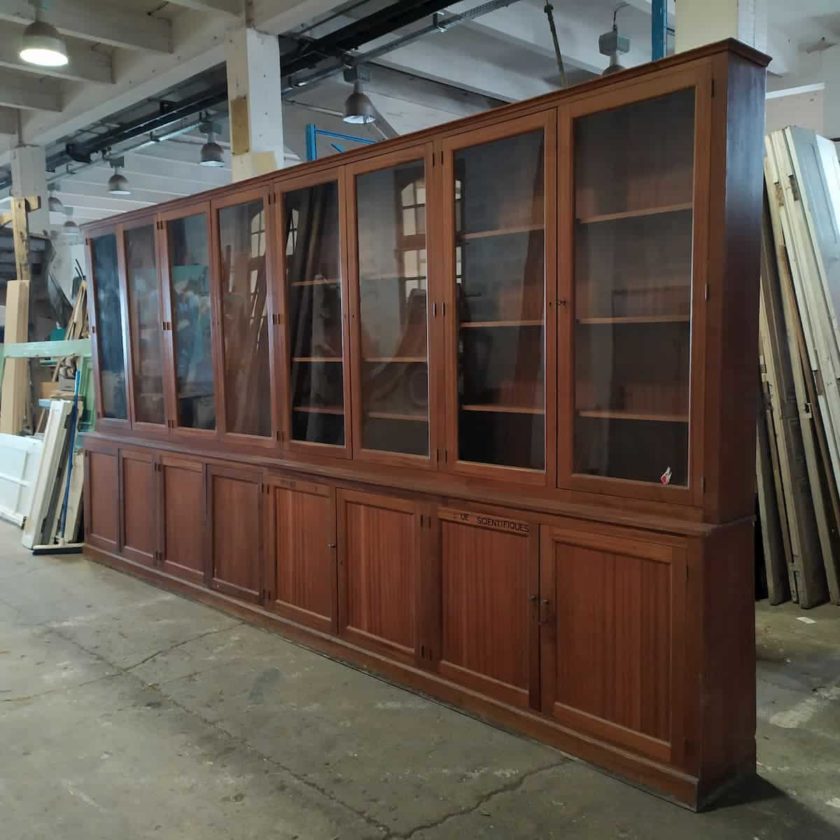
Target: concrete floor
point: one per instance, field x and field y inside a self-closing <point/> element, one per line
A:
<point x="127" y="712"/>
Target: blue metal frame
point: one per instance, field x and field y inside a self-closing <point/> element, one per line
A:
<point x="313" y="132"/>
<point x="658" y="29"/>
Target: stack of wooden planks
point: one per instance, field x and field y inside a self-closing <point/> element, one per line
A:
<point x="798" y="457"/>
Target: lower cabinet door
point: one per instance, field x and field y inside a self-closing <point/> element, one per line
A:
<point x="102" y="496"/>
<point x="378" y="543"/>
<point x="301" y="541"/>
<point x="235" y="531"/>
<point x="138" y="477"/>
<point x="183" y="533"/>
<point x="612" y="642"/>
<point x="486" y="587"/>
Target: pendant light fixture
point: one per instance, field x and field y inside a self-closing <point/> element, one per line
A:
<point x="612" y="44"/>
<point x="358" y="109"/>
<point x="211" y="151"/>
<point x="55" y="203"/>
<point x="70" y="229"/>
<point x="41" y="43"/>
<point x="118" y="183"/>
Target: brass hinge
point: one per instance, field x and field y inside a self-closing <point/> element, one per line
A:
<point x="703" y="483"/>
<point x="713" y="88"/>
<point x="279" y="435"/>
<point x="706" y="292"/>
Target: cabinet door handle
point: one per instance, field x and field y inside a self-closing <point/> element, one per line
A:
<point x="330" y="545"/>
<point x="545" y="611"/>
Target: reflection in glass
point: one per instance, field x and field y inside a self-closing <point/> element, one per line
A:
<point x="109" y="327"/>
<point x="244" y="319"/>
<point x="633" y="242"/>
<point x="145" y="319"/>
<point x="313" y="281"/>
<point x="391" y="214"/>
<point x="192" y="317"/>
<point x="500" y="273"/>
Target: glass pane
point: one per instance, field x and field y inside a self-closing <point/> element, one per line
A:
<point x="109" y="327"/>
<point x="190" y="278"/>
<point x="145" y="320"/>
<point x="500" y="274"/>
<point x="391" y="208"/>
<point x="244" y="319"/>
<point x="633" y="241"/>
<point x="313" y="280"/>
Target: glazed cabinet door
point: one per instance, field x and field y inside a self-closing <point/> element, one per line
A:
<point x="633" y="247"/>
<point x="498" y="219"/>
<point x="139" y="506"/>
<point x="378" y="578"/>
<point x="301" y="551"/>
<point x="102" y="498"/>
<point x="612" y="616"/>
<point x="316" y="408"/>
<point x="483" y="597"/>
<point x="244" y="302"/>
<point x="107" y="313"/>
<point x="183" y="505"/>
<point x="145" y="327"/>
<point x="189" y="320"/>
<point x="394" y="406"/>
<point x="235" y="532"/>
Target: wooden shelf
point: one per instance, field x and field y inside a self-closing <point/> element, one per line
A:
<point x="319" y="409"/>
<point x="314" y="359"/>
<point x="636" y="214"/>
<point x="322" y="282"/>
<point x="637" y="319"/>
<point x="475" y="325"/>
<point x="607" y="414"/>
<point x="503" y="409"/>
<point x="397" y="415"/>
<point x="506" y="231"/>
<point x="414" y="360"/>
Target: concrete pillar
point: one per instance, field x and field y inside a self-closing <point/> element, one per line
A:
<point x="29" y="178"/>
<point x="254" y="101"/>
<point x="699" y="22"/>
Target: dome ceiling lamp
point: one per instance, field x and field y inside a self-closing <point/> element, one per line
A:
<point x="212" y="153"/>
<point x="118" y="183"/>
<point x="358" y="109"/>
<point x="41" y="44"/>
<point x="55" y="203"/>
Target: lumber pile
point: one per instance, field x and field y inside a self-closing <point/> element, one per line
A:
<point x="798" y="452"/>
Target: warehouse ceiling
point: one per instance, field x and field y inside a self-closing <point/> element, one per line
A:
<point x="136" y="62"/>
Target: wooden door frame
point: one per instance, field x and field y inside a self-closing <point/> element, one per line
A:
<point x="106" y="424"/>
<point x="184" y="433"/>
<point x="147" y="456"/>
<point x="422" y="151"/>
<point x="259" y="192"/>
<point x="449" y="144"/>
<point x="697" y="76"/>
<point x="286" y="610"/>
<point x="280" y="187"/>
<point x="183" y="462"/>
<point x="151" y="430"/>
<point x="98" y="447"/>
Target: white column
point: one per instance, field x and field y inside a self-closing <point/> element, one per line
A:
<point x="699" y="22"/>
<point x="29" y="178"/>
<point x="254" y="101"/>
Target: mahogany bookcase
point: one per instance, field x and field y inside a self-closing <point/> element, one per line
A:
<point x="474" y="408"/>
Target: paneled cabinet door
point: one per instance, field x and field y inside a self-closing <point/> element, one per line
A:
<point x="633" y="262"/>
<point x="138" y="502"/>
<point x="499" y="240"/>
<point x="378" y="578"/>
<point x="301" y="551"/>
<point x="235" y="507"/>
<point x="485" y="635"/>
<point x="102" y="498"/>
<point x="183" y="535"/>
<point x="612" y="604"/>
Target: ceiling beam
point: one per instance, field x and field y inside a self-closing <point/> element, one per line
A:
<point x="94" y="20"/>
<point x="29" y="94"/>
<point x="228" y="7"/>
<point x="85" y="65"/>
